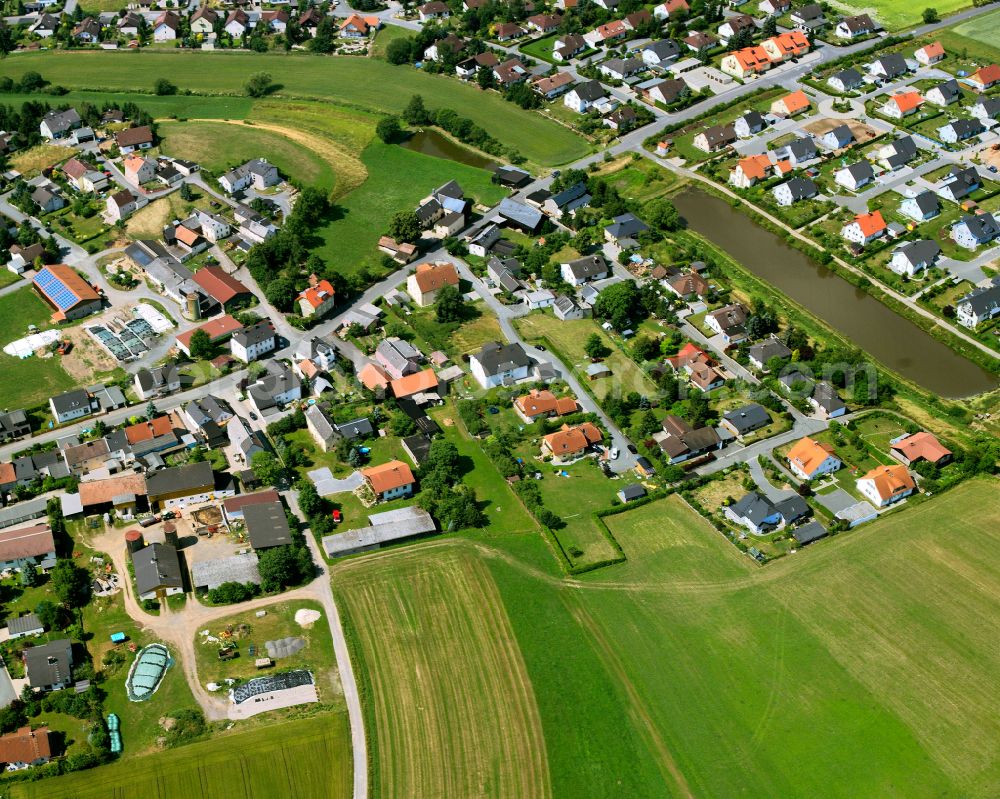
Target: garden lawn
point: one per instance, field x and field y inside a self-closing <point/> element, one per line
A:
<point x="365" y="82"/>
<point x="504" y="511"/>
<point x="349" y="242"/>
<point x="575" y="497"/>
<point x="308" y="759"/>
<point x="568" y="338"/>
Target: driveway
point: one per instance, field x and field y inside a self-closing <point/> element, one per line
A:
<point x="836" y="501"/>
<point x="327" y="484"/>
<point x="7" y="692"/>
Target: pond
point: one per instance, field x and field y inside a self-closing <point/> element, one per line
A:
<point x="433" y="142"/>
<point x="896" y="342"/>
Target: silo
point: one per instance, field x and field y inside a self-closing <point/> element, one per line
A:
<point x="193" y="307"/>
<point x="133" y="540"/>
<point x="170" y="534"/>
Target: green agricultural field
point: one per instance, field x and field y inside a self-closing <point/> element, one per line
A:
<point x="367" y="83"/>
<point x="898" y="14"/>
<point x="979" y="37"/>
<point x="450" y="710"/>
<point x="878" y="640"/>
<point x="308" y="759"/>
<point x="218" y="146"/>
<point x="177" y="105"/>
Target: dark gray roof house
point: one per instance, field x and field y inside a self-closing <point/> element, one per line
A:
<point x="793" y="508"/>
<point x="746" y="419"/>
<point x="157" y="568"/>
<point x="267" y="525"/>
<point x="625" y="226"/>
<point x="901" y="152"/>
<point x="50" y="666"/>
<point x="359" y="428"/>
<point x="587" y="267"/>
<point x="825" y="396"/>
<point x="496" y="359"/>
<point x="846" y="79"/>
<point x="891" y="66"/>
<point x="28" y="624"/>
<point x="764" y="351"/>
<point x="755" y="509"/>
<point x="630" y="493"/>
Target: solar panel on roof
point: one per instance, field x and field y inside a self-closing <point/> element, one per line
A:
<point x="61" y="296"/>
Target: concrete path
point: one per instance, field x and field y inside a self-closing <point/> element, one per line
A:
<point x="327" y="484"/>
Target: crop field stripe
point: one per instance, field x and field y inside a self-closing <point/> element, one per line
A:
<point x="455" y="713"/>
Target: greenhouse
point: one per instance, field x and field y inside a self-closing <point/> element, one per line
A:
<point x="147" y="671"/>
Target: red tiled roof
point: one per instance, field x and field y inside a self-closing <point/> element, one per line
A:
<point x="218" y="285"/>
<point x="217" y="329"/>
<point x="388" y="476"/>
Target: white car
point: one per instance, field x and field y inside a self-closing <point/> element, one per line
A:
<point x="614" y="453"/>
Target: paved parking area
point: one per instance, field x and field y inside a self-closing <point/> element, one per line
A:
<point x="836" y="501"/>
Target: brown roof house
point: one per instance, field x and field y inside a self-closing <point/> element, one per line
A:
<point x="424" y="284"/>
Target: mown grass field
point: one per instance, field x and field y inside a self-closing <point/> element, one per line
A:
<point x="32" y="380"/>
<point x="349" y="242"/>
<point x="984" y="33"/>
<point x="450" y="709"/>
<point x="219" y="146"/>
<point x="178" y="105"/>
<point x="307" y="759"/>
<point x="366" y="83"/>
<point x="690" y="671"/>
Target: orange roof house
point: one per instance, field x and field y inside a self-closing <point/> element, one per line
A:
<point x="748" y="61"/>
<point x="570" y="441"/>
<point x="390" y="480"/>
<point x="100" y="492"/>
<point x="186" y="236"/>
<point x="424" y="284"/>
<point x="786" y="45"/>
<point x="8" y="475"/>
<point x="373" y="377"/>
<point x="217" y="329"/>
<point x="864" y="228"/>
<point x="536" y="404"/>
<point x="903" y="104"/>
<point x="316" y="300"/>
<point x="791" y="104"/>
<point x="929" y="53"/>
<point x="146" y="431"/>
<point x="417" y="383"/>
<point x="356" y="26"/>
<point x="985" y="77"/>
<point x="750" y="169"/>
<point x="809" y="458"/>
<point x="921" y="446"/>
<point x="884" y="485"/>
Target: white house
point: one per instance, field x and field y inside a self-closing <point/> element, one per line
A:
<point x="855" y="176"/>
<point x="979" y="305"/>
<point x="495" y="365"/>
<point x="251" y="343"/>
<point x="885" y="485"/>
<point x="865" y="228"/>
<point x="914" y="256"/>
<point x="583" y="97"/>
